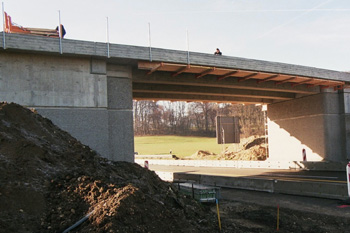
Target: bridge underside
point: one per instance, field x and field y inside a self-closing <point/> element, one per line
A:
<point x="304" y="113"/>
<point x="169" y="81"/>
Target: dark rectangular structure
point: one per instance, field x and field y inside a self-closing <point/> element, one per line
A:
<point x="227" y="129"/>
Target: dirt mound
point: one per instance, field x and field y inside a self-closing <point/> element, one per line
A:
<point x="254" y="142"/>
<point x="255" y="153"/>
<point x="202" y="154"/>
<point x="250" y="149"/>
<point x="253" y="148"/>
<point x="49" y="181"/>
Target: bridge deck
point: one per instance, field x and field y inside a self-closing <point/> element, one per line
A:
<point x="241" y="75"/>
<point x="133" y="54"/>
<point x="182" y="76"/>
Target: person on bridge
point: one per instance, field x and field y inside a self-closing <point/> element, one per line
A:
<point x="217" y="52"/>
<point x="63" y="30"/>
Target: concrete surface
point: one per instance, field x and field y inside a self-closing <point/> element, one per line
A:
<point x="268" y="164"/>
<point x="300" y="203"/>
<point x="77" y="95"/>
<point x="121" y="135"/>
<point x="305" y="183"/>
<point x="83" y="124"/>
<point x="344" y="101"/>
<point x="41" y="80"/>
<point x="312" y="123"/>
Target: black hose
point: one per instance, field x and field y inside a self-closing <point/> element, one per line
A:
<point x="79" y="222"/>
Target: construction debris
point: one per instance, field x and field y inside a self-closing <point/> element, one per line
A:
<point x="11" y="27"/>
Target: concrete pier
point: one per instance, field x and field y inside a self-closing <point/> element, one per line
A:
<point x="84" y="96"/>
<point x="313" y="123"/>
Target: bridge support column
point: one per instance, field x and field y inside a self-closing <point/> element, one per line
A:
<point x="314" y="123"/>
<point x="83" y="96"/>
<point x="345" y="104"/>
<point x="120" y="115"/>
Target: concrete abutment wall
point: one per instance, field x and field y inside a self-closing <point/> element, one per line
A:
<point x="84" y="96"/>
<point x="344" y="100"/>
<point x="314" y="123"/>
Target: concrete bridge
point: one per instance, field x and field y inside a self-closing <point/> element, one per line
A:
<point x="87" y="90"/>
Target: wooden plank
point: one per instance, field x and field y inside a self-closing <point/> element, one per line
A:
<point x="335" y="83"/>
<point x="228" y="75"/>
<point x="206" y="72"/>
<point x="269" y="78"/>
<point x="302" y="82"/>
<point x="41" y="30"/>
<point x="248" y="77"/>
<point x="320" y="83"/>
<point x="155" y="68"/>
<point x="286" y="80"/>
<point x="340" y="87"/>
<point x="181" y="70"/>
<point x="146" y="65"/>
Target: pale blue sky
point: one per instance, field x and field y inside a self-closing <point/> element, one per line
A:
<point x="305" y="32"/>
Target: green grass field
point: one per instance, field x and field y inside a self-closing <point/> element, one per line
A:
<point x="181" y="146"/>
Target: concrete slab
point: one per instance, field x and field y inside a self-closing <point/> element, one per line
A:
<point x="315" y="184"/>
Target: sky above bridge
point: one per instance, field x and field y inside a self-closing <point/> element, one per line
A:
<point x="312" y="33"/>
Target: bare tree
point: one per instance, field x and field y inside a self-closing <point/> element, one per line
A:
<point x="193" y="119"/>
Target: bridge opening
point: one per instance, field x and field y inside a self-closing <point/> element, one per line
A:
<point x="188" y="130"/>
<point x="297" y="104"/>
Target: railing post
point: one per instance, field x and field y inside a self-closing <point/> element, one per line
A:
<point x="60" y="31"/>
<point x="108" y="54"/>
<point x="3" y="23"/>
<point x="150" y="44"/>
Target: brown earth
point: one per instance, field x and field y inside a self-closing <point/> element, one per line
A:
<point x="253" y="148"/>
<point x="244" y="211"/>
<point x="202" y="154"/>
<point x="49" y="181"/>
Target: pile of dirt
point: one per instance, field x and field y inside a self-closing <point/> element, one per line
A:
<point x="49" y="181"/>
<point x="202" y="154"/>
<point x="241" y="217"/>
<point x="253" y="148"/>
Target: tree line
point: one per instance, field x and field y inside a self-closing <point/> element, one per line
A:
<point x="193" y="119"/>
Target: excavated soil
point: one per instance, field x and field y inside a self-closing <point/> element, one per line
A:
<point x="49" y="181"/>
<point x="244" y="218"/>
<point x="253" y="148"/>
